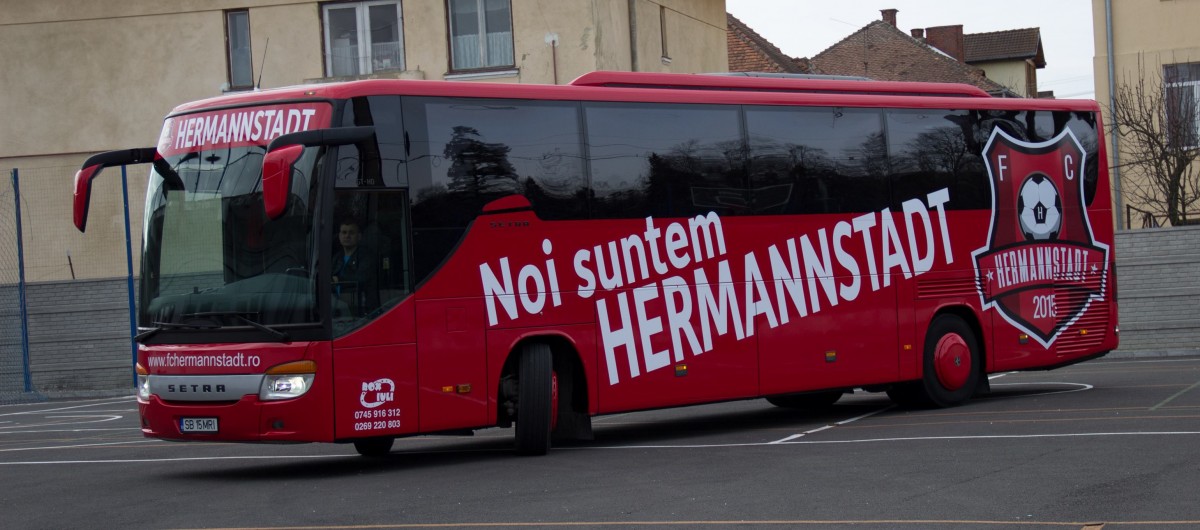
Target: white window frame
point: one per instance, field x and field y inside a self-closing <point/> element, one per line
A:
<point x="1194" y="84"/>
<point x="362" y="10"/>
<point x="481" y="13"/>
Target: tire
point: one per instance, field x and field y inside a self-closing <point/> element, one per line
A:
<point x="809" y="401"/>
<point x="952" y="367"/>
<point x="909" y="395"/>
<point x="374" y="447"/>
<point x="535" y="400"/>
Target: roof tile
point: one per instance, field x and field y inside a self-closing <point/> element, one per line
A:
<point x="750" y="52"/>
<point x="1010" y="44"/>
<point x="883" y="52"/>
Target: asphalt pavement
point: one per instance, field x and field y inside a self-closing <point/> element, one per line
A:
<point x="1110" y="443"/>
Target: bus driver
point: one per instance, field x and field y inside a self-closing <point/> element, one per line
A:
<point x="355" y="272"/>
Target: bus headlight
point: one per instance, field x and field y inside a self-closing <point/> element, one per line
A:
<point x="143" y="383"/>
<point x="287" y="381"/>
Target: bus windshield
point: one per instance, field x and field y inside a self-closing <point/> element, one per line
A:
<point x="210" y="257"/>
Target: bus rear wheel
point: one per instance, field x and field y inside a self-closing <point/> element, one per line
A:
<point x="374" y="446"/>
<point x="535" y="400"/>
<point x="953" y="365"/>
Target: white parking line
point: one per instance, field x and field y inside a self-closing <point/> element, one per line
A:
<point x="159" y="460"/>
<point x="77" y="420"/>
<point x="819" y="429"/>
<point x="43" y="431"/>
<point x="59" y="409"/>
<point x="611" y="447"/>
<point x="1082" y="388"/>
<point x="1177" y="394"/>
<point x="76" y="446"/>
<point x="884" y="440"/>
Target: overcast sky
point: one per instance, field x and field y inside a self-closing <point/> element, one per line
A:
<point x="804" y="28"/>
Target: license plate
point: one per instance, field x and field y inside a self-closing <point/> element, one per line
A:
<point x="198" y="425"/>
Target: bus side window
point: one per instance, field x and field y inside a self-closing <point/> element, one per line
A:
<point x="673" y="160"/>
<point x="818" y="160"/>
<point x="935" y="149"/>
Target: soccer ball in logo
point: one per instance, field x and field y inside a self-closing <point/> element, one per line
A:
<point x="1039" y="208"/>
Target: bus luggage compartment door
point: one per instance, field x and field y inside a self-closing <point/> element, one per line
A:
<point x="453" y="364"/>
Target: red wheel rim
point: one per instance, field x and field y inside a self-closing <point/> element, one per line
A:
<point x="952" y="361"/>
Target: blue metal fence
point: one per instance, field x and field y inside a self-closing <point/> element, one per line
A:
<point x="66" y="319"/>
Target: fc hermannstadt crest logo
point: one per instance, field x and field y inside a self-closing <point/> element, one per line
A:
<point x="1041" y="268"/>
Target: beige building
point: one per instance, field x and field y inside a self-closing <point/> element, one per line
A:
<point x="1154" y="38"/>
<point x="85" y="76"/>
<point x="1010" y="57"/>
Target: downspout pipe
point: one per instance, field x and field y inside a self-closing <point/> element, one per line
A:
<point x="1115" y="170"/>
<point x="633" y="54"/>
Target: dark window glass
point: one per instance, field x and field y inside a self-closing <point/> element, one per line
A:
<point x="1041" y="126"/>
<point x="1181" y="86"/>
<point x="237" y="35"/>
<point x="665" y="160"/>
<point x="371" y="217"/>
<point x="817" y="160"/>
<point x="933" y="149"/>
<point x="466" y="153"/>
<point x="385" y="163"/>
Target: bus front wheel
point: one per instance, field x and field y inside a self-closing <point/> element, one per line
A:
<point x="374" y="446"/>
<point x="535" y="400"/>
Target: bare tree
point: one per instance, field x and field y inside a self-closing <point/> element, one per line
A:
<point x="1157" y="126"/>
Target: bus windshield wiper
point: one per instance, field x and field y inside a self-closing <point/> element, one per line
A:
<point x="281" y="336"/>
<point x="159" y="326"/>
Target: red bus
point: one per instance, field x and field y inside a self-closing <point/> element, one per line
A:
<point x="361" y="261"/>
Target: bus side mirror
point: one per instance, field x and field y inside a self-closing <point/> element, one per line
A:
<point x="285" y="151"/>
<point x="277" y="178"/>
<point x="92" y="167"/>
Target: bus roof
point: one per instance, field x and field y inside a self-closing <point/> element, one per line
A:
<point x="807" y="84"/>
<point x="657" y="87"/>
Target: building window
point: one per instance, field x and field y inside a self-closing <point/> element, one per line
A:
<point x="1181" y="84"/>
<point x="363" y="38"/>
<point x="480" y="34"/>
<point x="237" y="43"/>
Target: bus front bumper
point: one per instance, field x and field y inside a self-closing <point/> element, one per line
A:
<point x="248" y="419"/>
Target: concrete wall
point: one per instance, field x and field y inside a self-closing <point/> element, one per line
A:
<point x="78" y="338"/>
<point x="1158" y="287"/>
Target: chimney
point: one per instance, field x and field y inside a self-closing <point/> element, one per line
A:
<point x="889" y="16"/>
<point x="949" y="39"/>
<point x="919" y="34"/>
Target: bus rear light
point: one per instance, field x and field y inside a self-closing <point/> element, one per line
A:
<point x="287" y="381"/>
